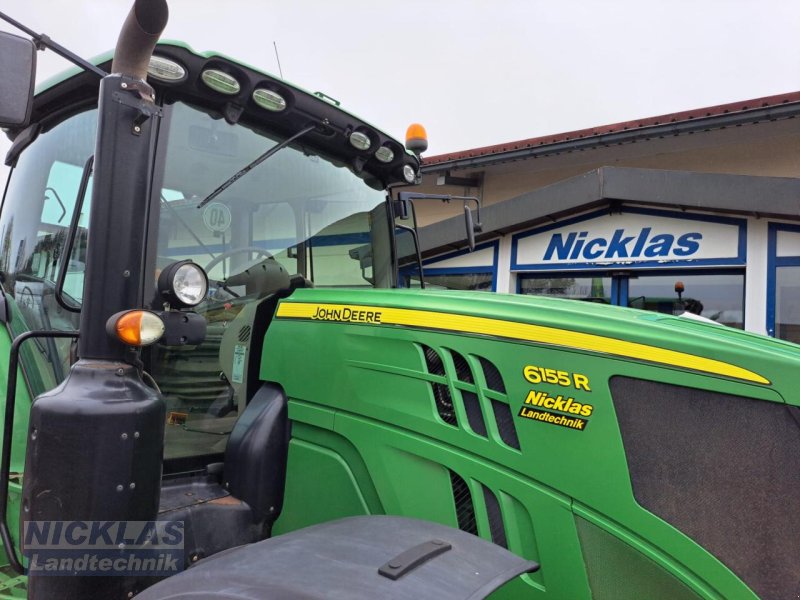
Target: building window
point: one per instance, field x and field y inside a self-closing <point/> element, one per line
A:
<point x="717" y="295"/>
<point x="783" y="282"/>
<point x="462" y="270"/>
<point x="481" y="282"/>
<point x="787" y="308"/>
<point x="592" y="289"/>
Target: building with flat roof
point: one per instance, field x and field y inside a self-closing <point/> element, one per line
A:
<point x="695" y="211"/>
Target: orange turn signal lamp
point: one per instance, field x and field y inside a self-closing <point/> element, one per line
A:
<point x="135" y="327"/>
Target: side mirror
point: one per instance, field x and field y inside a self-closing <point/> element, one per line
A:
<point x="470" y="228"/>
<point x="18" y="69"/>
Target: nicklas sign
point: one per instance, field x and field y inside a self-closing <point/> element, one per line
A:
<point x="629" y="238"/>
<point x="645" y="243"/>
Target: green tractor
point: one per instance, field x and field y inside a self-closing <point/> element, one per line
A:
<point x="211" y="367"/>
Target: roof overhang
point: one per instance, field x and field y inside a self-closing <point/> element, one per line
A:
<point x="616" y="187"/>
<point x="758" y="110"/>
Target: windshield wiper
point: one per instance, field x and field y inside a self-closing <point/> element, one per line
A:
<point x="235" y="177"/>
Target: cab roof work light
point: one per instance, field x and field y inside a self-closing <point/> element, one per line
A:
<point x="360" y="140"/>
<point x="221" y="82"/>
<point x="384" y="154"/>
<point x="269" y="100"/>
<point x="164" y="69"/>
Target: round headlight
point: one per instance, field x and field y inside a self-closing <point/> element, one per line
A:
<point x="190" y="284"/>
<point x="360" y="140"/>
<point x="183" y="284"/>
<point x="409" y="174"/>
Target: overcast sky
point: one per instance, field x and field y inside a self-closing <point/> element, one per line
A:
<point x="476" y="72"/>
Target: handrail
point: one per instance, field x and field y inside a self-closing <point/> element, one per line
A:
<point x="70" y="241"/>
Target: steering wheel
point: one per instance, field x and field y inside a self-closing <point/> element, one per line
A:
<point x="233" y="252"/>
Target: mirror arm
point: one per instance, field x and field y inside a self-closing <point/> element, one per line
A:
<point x="43" y="41"/>
<point x="22" y="140"/>
<point x="472" y="227"/>
<point x="415" y="237"/>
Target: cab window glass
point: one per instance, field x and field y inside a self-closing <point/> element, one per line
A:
<point x="37" y="211"/>
<point x="61" y="196"/>
<point x="298" y="216"/>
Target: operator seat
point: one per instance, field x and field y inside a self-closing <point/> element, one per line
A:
<point x="238" y="501"/>
<point x="255" y="457"/>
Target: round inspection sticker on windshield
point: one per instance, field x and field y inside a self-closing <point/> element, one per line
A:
<point x="217" y="217"/>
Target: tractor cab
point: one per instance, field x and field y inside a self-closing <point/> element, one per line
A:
<point x="221" y="190"/>
<point x="314" y="213"/>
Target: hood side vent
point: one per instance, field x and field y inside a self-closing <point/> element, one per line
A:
<point x="505" y="424"/>
<point x="463" y="372"/>
<point x="496" y="526"/>
<point x="465" y="511"/>
<point x="472" y="406"/>
<point x="494" y="381"/>
<point x="441" y="392"/>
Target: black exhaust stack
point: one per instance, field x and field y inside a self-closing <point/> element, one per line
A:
<point x="95" y="443"/>
<point x="138" y="37"/>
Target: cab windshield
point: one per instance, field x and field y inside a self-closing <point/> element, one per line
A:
<point x="305" y="211"/>
<point x="297" y="218"/>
